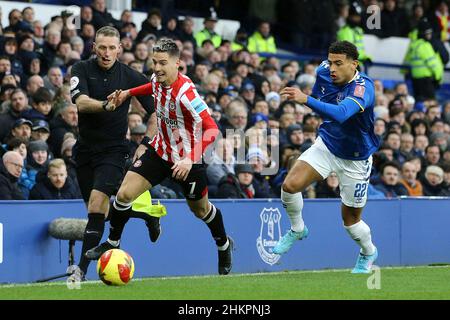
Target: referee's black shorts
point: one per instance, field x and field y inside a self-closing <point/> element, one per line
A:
<point x="155" y="170"/>
<point x="102" y="170"/>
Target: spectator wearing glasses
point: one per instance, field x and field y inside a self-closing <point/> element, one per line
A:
<point x="10" y="169"/>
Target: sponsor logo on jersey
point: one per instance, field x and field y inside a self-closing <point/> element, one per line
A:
<point x="172" y="123"/>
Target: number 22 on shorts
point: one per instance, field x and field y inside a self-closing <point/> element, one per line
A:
<point x="360" y="190"/>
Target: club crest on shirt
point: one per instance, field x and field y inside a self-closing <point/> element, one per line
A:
<point x="339" y="97"/>
<point x="137" y="164"/>
<point x="172" y="106"/>
<point x="359" y="91"/>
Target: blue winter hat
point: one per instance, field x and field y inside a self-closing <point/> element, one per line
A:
<point x="257" y="117"/>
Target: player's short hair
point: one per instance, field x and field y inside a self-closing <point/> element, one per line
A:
<point x="167" y="45"/>
<point x="108" y="31"/>
<point x="56" y="163"/>
<point x="344" y="47"/>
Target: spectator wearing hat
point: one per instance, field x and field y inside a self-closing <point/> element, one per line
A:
<point x="208" y="33"/>
<point x="259" y="120"/>
<point x="18" y="104"/>
<point x="295" y="135"/>
<point x="274" y="99"/>
<point x="248" y="93"/>
<point x="37" y="160"/>
<point x="40" y="130"/>
<point x="66" y="121"/>
<point x="137" y="133"/>
<point x="57" y="185"/>
<point x="426" y="64"/>
<point x="433" y="182"/>
<point x="221" y="163"/>
<point x="41" y="106"/>
<point x="21" y="129"/>
<point x="258" y="160"/>
<point x="240" y="41"/>
<point x="10" y="169"/>
<point x="262" y="40"/>
<point x="237" y="186"/>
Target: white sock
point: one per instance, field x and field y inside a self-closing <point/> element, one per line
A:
<point x="360" y="232"/>
<point x="224" y="247"/>
<point x="293" y="203"/>
<point x="113" y="243"/>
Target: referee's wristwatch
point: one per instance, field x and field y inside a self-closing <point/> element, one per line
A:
<point x="104" y="104"/>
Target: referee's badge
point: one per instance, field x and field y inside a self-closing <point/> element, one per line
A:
<point x="137" y="164"/>
<point x="74" y="81"/>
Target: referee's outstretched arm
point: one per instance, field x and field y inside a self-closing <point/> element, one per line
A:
<point x="89" y="105"/>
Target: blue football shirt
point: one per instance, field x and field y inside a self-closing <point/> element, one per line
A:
<point x="354" y="139"/>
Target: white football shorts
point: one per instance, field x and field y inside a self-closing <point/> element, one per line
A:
<point x="353" y="175"/>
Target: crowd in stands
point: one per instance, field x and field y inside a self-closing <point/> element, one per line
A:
<point x="262" y="135"/>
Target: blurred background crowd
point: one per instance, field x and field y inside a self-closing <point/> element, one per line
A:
<point x="240" y="80"/>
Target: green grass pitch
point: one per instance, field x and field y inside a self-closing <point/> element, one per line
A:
<point x="396" y="283"/>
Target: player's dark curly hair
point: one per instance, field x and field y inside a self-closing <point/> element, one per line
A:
<point x="344" y="47"/>
<point x="167" y="45"/>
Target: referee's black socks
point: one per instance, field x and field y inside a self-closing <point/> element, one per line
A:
<point x="214" y="222"/>
<point x="120" y="214"/>
<point x="92" y="236"/>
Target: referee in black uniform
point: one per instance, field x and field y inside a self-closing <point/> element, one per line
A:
<point x="102" y="150"/>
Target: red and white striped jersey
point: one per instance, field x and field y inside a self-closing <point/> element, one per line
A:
<point x="185" y="127"/>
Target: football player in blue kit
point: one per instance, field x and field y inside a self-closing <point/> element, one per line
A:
<point x="345" y="98"/>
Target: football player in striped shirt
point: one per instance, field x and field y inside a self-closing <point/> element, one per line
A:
<point x="185" y="130"/>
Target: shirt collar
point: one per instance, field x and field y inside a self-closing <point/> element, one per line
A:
<point x="354" y="78"/>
